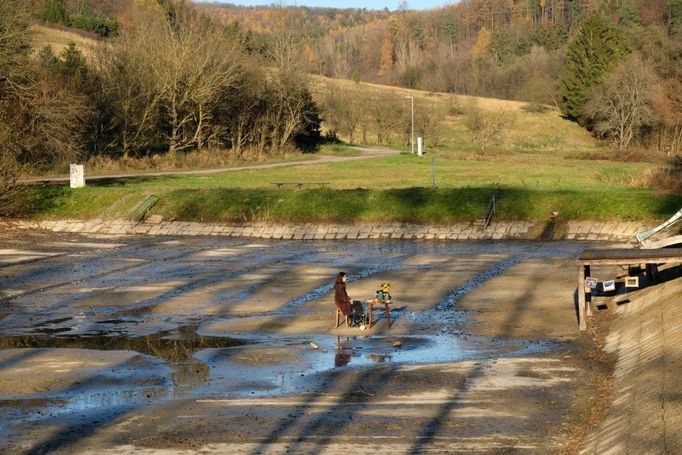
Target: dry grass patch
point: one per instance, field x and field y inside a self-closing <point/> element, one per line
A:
<point x="532" y="130"/>
<point x="58" y="39"/>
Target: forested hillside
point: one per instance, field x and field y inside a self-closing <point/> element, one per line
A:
<point x="595" y="59"/>
<point x="613" y="66"/>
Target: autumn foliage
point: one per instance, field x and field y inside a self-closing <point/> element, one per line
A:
<point x="544" y="51"/>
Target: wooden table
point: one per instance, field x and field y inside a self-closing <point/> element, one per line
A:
<point x="387" y="309"/>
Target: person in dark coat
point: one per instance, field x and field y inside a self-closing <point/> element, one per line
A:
<point x="348" y="307"/>
<point x="341" y="298"/>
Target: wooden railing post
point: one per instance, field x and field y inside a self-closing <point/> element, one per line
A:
<point x="588" y="293"/>
<point x="582" y="317"/>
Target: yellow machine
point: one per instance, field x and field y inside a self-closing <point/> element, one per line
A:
<point x="384" y="291"/>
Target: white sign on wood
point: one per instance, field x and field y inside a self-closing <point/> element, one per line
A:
<point x="609" y="285"/>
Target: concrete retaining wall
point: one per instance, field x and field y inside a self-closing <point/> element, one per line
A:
<point x="519" y="230"/>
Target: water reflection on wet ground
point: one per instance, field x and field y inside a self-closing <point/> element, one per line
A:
<point x="160" y="299"/>
<point x="221" y="367"/>
<point x="174" y="349"/>
<point x="174" y="346"/>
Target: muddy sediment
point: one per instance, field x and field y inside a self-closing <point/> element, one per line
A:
<point x="171" y="345"/>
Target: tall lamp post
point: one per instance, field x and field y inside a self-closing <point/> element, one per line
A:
<point x="411" y="98"/>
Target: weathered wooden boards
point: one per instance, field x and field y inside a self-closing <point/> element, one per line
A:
<point x="651" y="257"/>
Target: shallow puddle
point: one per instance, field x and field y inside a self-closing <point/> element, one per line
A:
<point x="172" y="345"/>
<point x="200" y="366"/>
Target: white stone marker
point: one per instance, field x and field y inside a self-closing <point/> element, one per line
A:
<point x="77" y="176"/>
<point x="420" y="146"/>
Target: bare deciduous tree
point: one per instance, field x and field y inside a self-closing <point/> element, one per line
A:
<point x="623" y="106"/>
<point x="343" y="111"/>
<point x="285" y="43"/>
<point x="192" y="65"/>
<point x="429" y="122"/>
<point x="9" y="167"/>
<point x="384" y="115"/>
<point x="669" y="136"/>
<point x="288" y="105"/>
<point x="54" y="123"/>
<point x="128" y="87"/>
<point x="242" y="108"/>
<point x="168" y="76"/>
<point x="14" y="83"/>
<point x="379" y="116"/>
<point x="486" y="127"/>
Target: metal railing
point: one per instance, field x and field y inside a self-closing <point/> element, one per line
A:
<point x="141" y="210"/>
<point x="489" y="212"/>
<point x="676" y="218"/>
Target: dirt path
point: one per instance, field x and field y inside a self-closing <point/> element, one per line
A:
<point x="203" y="345"/>
<point x="367" y="153"/>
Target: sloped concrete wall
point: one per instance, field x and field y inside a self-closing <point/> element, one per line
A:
<point x="645" y="416"/>
<point x="583" y="230"/>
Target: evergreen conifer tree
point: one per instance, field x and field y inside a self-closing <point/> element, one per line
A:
<point x="593" y="52"/>
<point x="54" y="11"/>
<point x="674" y="15"/>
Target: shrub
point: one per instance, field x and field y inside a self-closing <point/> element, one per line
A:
<point x="486" y="127"/>
<point x="666" y="177"/>
<point x="454" y="106"/>
<point x="411" y="77"/>
<point x="55" y="12"/>
<point x="92" y="22"/>
<point x="9" y="169"/>
<point x="535" y="108"/>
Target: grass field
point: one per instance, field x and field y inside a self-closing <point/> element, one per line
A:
<point x="527" y="132"/>
<point x="395" y="188"/>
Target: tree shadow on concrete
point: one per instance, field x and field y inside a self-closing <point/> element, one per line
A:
<point x="430" y="430"/>
<point x="327" y="424"/>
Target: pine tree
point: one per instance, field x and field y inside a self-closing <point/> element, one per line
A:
<point x="308" y="136"/>
<point x="73" y="67"/>
<point x="628" y="13"/>
<point x="595" y="50"/>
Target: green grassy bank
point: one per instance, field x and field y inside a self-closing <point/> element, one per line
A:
<point x="395" y="188"/>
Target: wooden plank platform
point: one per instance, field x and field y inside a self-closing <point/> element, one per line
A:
<point x="651" y="257"/>
<point x="630" y="256"/>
